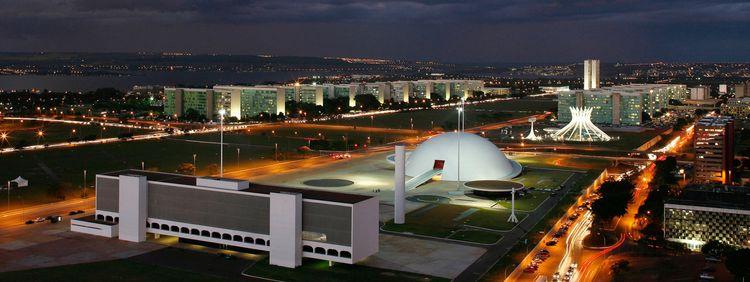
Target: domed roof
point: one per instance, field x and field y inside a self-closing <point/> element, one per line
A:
<point x="480" y="159"/>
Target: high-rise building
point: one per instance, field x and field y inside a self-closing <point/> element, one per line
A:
<point x="714" y="149"/>
<point x="619" y="105"/>
<point x="179" y="100"/>
<point x="250" y="101"/>
<point x="723" y="89"/>
<point x="590" y="74"/>
<point x="742" y="90"/>
<point x="700" y="93"/>
<point x="703" y="213"/>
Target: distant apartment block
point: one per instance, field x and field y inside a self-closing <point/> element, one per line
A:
<point x="554" y="89"/>
<point x="739" y="108"/>
<point x="620" y="105"/>
<point x="250" y="101"/>
<point x="591" y="74"/>
<point x="288" y="223"/>
<point x="704" y="213"/>
<point x="700" y="93"/>
<point x="742" y="90"/>
<point x="714" y="149"/>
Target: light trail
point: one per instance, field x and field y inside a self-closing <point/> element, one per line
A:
<point x="573" y="242"/>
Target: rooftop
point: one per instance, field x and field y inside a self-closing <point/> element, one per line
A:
<point x="728" y="197"/>
<point x="254" y="187"/>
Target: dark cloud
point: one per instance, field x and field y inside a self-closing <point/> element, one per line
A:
<point x="452" y="30"/>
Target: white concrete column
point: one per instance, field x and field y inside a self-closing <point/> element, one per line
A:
<point x="399" y="178"/>
<point x="133" y="209"/>
<point x="286" y="229"/>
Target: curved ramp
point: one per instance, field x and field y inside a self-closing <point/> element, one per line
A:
<point x="422" y="178"/>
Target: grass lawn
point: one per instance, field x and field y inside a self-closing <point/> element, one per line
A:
<point x="319" y="270"/>
<point x="475" y="115"/>
<point x="49" y="170"/>
<point x="562" y="162"/>
<point x="54" y="132"/>
<point x="544" y="179"/>
<point x="455" y="222"/>
<point x="529" y="202"/>
<point x="116" y="270"/>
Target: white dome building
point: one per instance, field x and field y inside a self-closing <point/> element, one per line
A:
<point x="480" y="159"/>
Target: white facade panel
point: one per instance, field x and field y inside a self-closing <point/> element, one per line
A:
<point x="133" y="207"/>
<point x="286" y="229"/>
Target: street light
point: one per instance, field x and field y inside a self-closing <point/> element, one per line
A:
<point x="221" y="141"/>
<point x="238" y="158"/>
<point x="682" y="171"/>
<point x="275" y="151"/>
<point x="84" y="183"/>
<point x="194" y="166"/>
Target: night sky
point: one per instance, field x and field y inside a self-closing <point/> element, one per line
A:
<point x="446" y="30"/>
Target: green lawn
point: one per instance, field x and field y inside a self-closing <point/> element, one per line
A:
<point x="319" y="270"/>
<point x="475" y="115"/>
<point x="528" y="202"/>
<point x="54" y="132"/>
<point x="49" y="170"/>
<point x="116" y="270"/>
<point x="455" y="222"/>
<point x="562" y="162"/>
<point x="544" y="179"/>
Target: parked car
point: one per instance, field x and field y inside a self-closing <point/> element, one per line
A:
<point x="55" y="218"/>
<point x="40" y="219"/>
<point x="30" y="221"/>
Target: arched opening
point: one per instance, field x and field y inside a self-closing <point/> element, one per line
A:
<point x="185" y="230"/>
<point x="260" y="241"/>
<point x="174" y="229"/>
<point x="117" y="219"/>
<point x="164" y="227"/>
<point x="237" y="238"/>
<point x="332" y="252"/>
<point x="99" y="217"/>
<point x="307" y="248"/>
<point x="155" y="225"/>
<point x="205" y="233"/>
<point x="268" y="243"/>
<point x="319" y="250"/>
<point x="195" y="232"/>
<point x="148" y="224"/>
<point x="249" y="240"/>
<point x="109" y="218"/>
<point x="216" y="235"/>
<point x="226" y="236"/>
<point x="345" y="254"/>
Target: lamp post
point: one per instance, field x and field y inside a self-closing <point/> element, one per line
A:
<point x="458" y="150"/>
<point x="221" y="141"/>
<point x="238" y="158"/>
<point x="682" y="171"/>
<point x="346" y="143"/>
<point x="84" y="183"/>
<point x="195" y="168"/>
<point x="276" y="151"/>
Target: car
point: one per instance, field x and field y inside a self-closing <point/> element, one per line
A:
<point x="40" y="219"/>
<point x="54" y="218"/>
<point x="551" y="243"/>
<point x="30" y="221"/>
<point x="574" y="265"/>
<point x="75" y="212"/>
<point x="556" y="275"/>
<point x="225" y="256"/>
<point x="529" y="270"/>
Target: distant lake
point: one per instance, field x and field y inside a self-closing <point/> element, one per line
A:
<point x="125" y="82"/>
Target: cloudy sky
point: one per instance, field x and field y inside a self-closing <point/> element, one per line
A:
<point x="447" y="30"/>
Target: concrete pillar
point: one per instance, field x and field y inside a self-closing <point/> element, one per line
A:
<point x="133" y="198"/>
<point x="399" y="178"/>
<point x="285" y="229"/>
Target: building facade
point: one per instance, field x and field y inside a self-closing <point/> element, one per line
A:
<point x="288" y="223"/>
<point x="619" y="105"/>
<point x="702" y="214"/>
<point x="739" y="108"/>
<point x="700" y="93"/>
<point x="714" y="149"/>
<point x="179" y="100"/>
<point x="590" y="74"/>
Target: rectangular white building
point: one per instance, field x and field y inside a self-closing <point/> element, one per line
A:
<point x="590" y="74"/>
<point x="289" y="223"/>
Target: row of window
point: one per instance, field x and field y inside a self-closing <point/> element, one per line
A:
<point x="107" y="218"/>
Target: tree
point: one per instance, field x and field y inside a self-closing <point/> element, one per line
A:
<point x="614" y="199"/>
<point x="212" y="169"/>
<point x="193" y="115"/>
<point x="186" y="168"/>
<point x="736" y="263"/>
<point x="715" y="249"/>
<point x="367" y="102"/>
